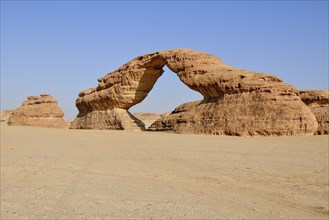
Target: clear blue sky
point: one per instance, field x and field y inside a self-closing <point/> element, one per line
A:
<point x="63" y="47"/>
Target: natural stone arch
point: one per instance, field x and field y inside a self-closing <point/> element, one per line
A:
<point x="131" y="83"/>
<point x="234" y="99"/>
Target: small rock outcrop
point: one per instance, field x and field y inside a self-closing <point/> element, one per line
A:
<point x="39" y="111"/>
<point x="236" y="101"/>
<point x="147" y="118"/>
<point x="5" y="115"/>
<point x="318" y="101"/>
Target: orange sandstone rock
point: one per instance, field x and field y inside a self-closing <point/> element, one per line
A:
<point x="318" y="101"/>
<point x="5" y="115"/>
<point x="39" y="111"/>
<point x="236" y="101"/>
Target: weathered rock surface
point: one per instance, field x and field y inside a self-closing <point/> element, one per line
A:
<point x="242" y="115"/>
<point x="5" y="115"/>
<point x="113" y="119"/>
<point x="236" y="101"/>
<point x="39" y="111"/>
<point x="318" y="101"/>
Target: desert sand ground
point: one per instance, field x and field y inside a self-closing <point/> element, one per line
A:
<point x="71" y="174"/>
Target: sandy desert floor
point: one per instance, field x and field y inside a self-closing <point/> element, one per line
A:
<point x="72" y="174"/>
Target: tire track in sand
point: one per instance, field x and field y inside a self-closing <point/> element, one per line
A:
<point x="62" y="201"/>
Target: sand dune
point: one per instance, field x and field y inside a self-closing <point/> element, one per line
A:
<point x="64" y="174"/>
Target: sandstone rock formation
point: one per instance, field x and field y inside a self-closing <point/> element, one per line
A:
<point x="39" y="111"/>
<point x="112" y="119"/>
<point x="236" y="101"/>
<point x="318" y="101"/>
<point x="5" y="115"/>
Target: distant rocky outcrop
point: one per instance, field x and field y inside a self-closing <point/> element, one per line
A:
<point x="318" y="101"/>
<point x="5" y="115"/>
<point x="39" y="111"/>
<point x="147" y="118"/>
<point x="236" y="101"/>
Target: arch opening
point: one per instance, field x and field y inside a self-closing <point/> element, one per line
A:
<point x="167" y="93"/>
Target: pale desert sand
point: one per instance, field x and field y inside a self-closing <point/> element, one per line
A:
<point x="71" y="174"/>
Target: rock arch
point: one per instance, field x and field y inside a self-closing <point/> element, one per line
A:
<point x="236" y="101"/>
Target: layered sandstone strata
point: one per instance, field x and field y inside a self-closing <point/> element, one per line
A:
<point x="113" y="119"/>
<point x="318" y="101"/>
<point x="236" y="101"/>
<point x="39" y="111"/>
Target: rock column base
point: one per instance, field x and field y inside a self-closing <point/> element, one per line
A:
<point x="114" y="119"/>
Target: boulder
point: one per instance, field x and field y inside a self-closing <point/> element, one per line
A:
<point x="235" y="101"/>
<point x="318" y="101"/>
<point x="39" y="111"/>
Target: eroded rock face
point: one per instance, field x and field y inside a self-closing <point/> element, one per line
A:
<point x="5" y="115"/>
<point x="318" y="101"/>
<point x="113" y="119"/>
<point x="39" y="111"/>
<point x="236" y="101"/>
<point x="241" y="115"/>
